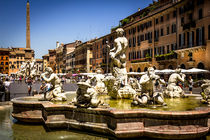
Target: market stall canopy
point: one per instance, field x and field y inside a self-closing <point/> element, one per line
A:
<point x="194" y="71"/>
<point x="135" y="73"/>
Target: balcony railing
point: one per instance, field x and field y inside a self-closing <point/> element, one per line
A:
<point x="168" y="56"/>
<point x="189" y="25"/>
<point x="148" y="59"/>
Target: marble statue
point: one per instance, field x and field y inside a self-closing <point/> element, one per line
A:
<point x="55" y="93"/>
<point x="86" y="96"/>
<point x="28" y="68"/>
<point x="173" y="90"/>
<point x="97" y="82"/>
<point x="116" y="84"/>
<point x="148" y="94"/>
<point x="135" y="84"/>
<point x="205" y="91"/>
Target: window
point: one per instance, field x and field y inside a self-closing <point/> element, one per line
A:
<point x="2" y="58"/>
<point x="173" y="28"/>
<point x="199" y="2"/>
<point x="134" y="30"/>
<point x="138" y="28"/>
<point x="161" y="32"/>
<point x="209" y="32"/>
<point x="168" y="49"/>
<point x="134" y="41"/>
<point x="161" y="19"/>
<point x="190" y="39"/>
<point x="150" y="37"/>
<point x="6" y="63"/>
<point x="168" y="30"/>
<point x="138" y="40"/>
<point x="156" y="35"/>
<point x="182" y="20"/>
<point x="168" y="17"/>
<point x="200" y="36"/>
<point x="200" y="14"/>
<point x="174" y="13"/>
<point x="129" y="43"/>
<point x="181" y="40"/>
<point x="181" y="10"/>
<point x="190" y="17"/>
<point x="156" y="21"/>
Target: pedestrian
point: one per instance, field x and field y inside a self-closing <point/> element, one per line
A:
<point x="29" y="83"/>
<point x="7" y="84"/>
<point x="2" y="90"/>
<point x="190" y="84"/>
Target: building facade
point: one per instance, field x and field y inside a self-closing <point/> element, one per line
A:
<point x="167" y="34"/>
<point x="39" y="66"/>
<point x="52" y="59"/>
<point x="70" y="62"/>
<point x="45" y="59"/>
<point x="4" y="60"/>
<point x="83" y="57"/>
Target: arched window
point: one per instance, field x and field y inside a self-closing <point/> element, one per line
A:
<point x="131" y="70"/>
<point x="145" y="69"/>
<point x="170" y="67"/>
<point x="138" y="70"/>
<point x="182" y="66"/>
<point x="201" y="65"/>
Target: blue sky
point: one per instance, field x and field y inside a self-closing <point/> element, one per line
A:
<point x="61" y="20"/>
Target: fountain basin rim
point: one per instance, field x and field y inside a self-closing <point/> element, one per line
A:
<point x="49" y="106"/>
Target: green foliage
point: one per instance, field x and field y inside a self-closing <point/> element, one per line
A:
<point x="125" y="21"/>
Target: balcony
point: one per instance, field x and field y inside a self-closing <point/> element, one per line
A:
<point x="147" y="59"/>
<point x="166" y="57"/>
<point x="189" y="25"/>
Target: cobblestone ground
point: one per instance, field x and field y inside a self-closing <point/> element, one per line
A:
<point x="19" y="89"/>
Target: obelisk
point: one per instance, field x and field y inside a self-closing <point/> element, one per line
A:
<point x="28" y="45"/>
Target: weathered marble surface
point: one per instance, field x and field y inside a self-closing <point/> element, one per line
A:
<point x="56" y="92"/>
<point x="118" y="123"/>
<point x="148" y="94"/>
<point x="173" y="90"/>
<point x="86" y="96"/>
<point x="28" y="68"/>
<point x="205" y="91"/>
<point x="116" y="84"/>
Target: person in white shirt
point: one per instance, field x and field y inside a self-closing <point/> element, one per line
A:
<point x="7" y="84"/>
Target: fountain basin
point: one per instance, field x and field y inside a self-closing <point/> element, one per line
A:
<point x="120" y="123"/>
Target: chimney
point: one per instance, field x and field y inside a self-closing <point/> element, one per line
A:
<point x="57" y="44"/>
<point x="139" y="9"/>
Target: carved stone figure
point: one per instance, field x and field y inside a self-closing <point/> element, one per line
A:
<point x="55" y="93"/>
<point x="135" y="84"/>
<point x="28" y="69"/>
<point x="86" y="96"/>
<point x="97" y="82"/>
<point x="173" y="90"/>
<point x="205" y="91"/>
<point x="117" y="85"/>
<point x="148" y="94"/>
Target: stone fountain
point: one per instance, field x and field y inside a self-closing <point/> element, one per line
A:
<point x="86" y="111"/>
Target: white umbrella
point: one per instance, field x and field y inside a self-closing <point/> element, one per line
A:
<point x="194" y="71"/>
<point x="136" y="73"/>
<point x="166" y="71"/>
